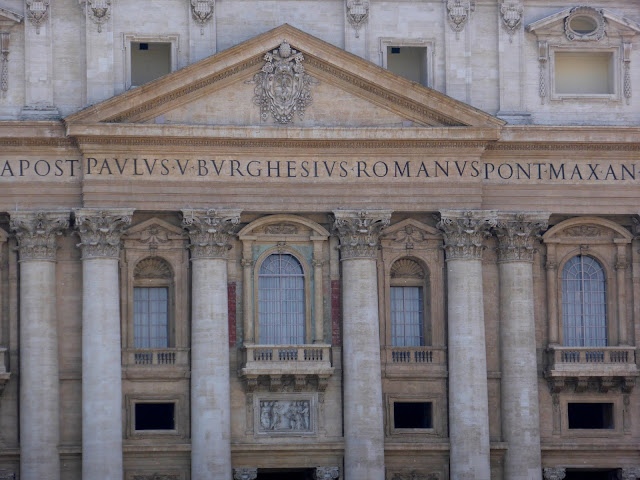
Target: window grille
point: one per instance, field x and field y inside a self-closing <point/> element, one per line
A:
<point x="281" y="307"/>
<point x="407" y="313"/>
<point x="584" y="303"/>
<point x="150" y="317"/>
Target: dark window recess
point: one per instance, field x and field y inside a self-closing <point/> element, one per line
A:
<point x="591" y="475"/>
<point x="395" y="49"/>
<point x="144" y="46"/>
<point x="412" y="415"/>
<point x="155" y="416"/>
<point x="591" y="415"/>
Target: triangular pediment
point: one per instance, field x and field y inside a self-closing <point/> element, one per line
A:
<point x="344" y="91"/>
<point x="154" y="227"/>
<point x="559" y="24"/>
<point x="9" y="18"/>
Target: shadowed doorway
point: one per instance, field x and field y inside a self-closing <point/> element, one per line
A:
<point x="285" y="474"/>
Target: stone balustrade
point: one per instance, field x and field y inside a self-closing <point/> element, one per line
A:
<point x="414" y="361"/>
<point x="612" y="359"/>
<point x="287" y="359"/>
<point x="155" y="356"/>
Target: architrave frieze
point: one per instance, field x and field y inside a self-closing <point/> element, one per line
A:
<point x="465" y="232"/>
<point x="518" y="235"/>
<point x="210" y="231"/>
<point x="37" y="232"/>
<point x="359" y="231"/>
<point x="100" y="230"/>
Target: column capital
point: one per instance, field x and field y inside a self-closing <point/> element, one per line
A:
<point x="210" y="230"/>
<point x="326" y="473"/>
<point x="36" y="233"/>
<point x="517" y="233"/>
<point x="465" y="231"/>
<point x="359" y="231"/>
<point x="554" y="473"/>
<point x="630" y="473"/>
<point x="245" y="473"/>
<point x="100" y="230"/>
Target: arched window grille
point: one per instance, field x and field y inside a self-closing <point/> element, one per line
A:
<point x="584" y="303"/>
<point x="281" y="308"/>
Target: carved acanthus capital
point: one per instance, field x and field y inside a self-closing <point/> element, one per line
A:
<point x="554" y="473"/>
<point x="245" y="473"/>
<point x="37" y="12"/>
<point x="465" y="232"/>
<point x="210" y="231"/>
<point x="630" y="473"/>
<point x="202" y="12"/>
<point x="100" y="231"/>
<point x="36" y="233"/>
<point x="326" y="473"/>
<point x="359" y="231"/>
<point x="357" y="14"/>
<point x="517" y="235"/>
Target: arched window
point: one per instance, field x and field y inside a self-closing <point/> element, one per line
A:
<point x="281" y="308"/>
<point x="152" y="283"/>
<point x="407" y="304"/>
<point x="584" y="303"/>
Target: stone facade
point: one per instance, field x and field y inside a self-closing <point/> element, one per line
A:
<point x="276" y="137"/>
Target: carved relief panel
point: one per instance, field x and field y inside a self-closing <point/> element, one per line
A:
<point x="289" y="414"/>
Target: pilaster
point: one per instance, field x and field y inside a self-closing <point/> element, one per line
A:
<point x="359" y="234"/>
<point x="457" y="36"/>
<point x="202" y="29"/>
<point x="37" y="233"/>
<point x="356" y="26"/>
<point x="38" y="62"/>
<point x="99" y="49"/>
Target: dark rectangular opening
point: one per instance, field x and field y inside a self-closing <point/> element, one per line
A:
<point x="590" y="415"/>
<point x="579" y="474"/>
<point x="144" y="46"/>
<point x="412" y="415"/>
<point x="395" y="50"/>
<point x="155" y="416"/>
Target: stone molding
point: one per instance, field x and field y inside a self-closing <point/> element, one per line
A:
<point x="100" y="230"/>
<point x="202" y="12"/>
<point x="37" y="232"/>
<point x="37" y="12"/>
<point x="554" y="473"/>
<point x="326" y="473"/>
<point x="245" y="473"/>
<point x="359" y="231"/>
<point x="210" y="231"/>
<point x="465" y="232"/>
<point x="517" y="235"/>
<point x="630" y="473"/>
<point x="357" y="14"/>
<point x="595" y="14"/>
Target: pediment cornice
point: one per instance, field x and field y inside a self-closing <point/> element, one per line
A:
<point x="549" y="25"/>
<point x="9" y="18"/>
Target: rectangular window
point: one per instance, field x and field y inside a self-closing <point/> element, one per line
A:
<point x="412" y="415"/>
<point x="149" y="61"/>
<point x="150" y="317"/>
<point x="155" y="416"/>
<point x="590" y="416"/>
<point x="409" y="62"/>
<point x="584" y="73"/>
<point x="591" y="474"/>
<point x="407" y="317"/>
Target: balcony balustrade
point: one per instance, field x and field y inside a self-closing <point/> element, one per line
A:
<point x="414" y="361"/>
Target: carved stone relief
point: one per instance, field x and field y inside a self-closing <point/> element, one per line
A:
<point x="6" y="475"/>
<point x="458" y="13"/>
<point x="37" y="232"/>
<point x="594" y="15"/>
<point x="202" y="12"/>
<point x="326" y="473"/>
<point x="37" y="12"/>
<point x="4" y="63"/>
<point x="406" y="268"/>
<point x="554" y="473"/>
<point x="626" y="66"/>
<point x="630" y="473"/>
<point x="210" y="231"/>
<point x="100" y="231"/>
<point x="511" y="15"/>
<point x="543" y="61"/>
<point x="152" y="268"/>
<point x="283" y="416"/>
<point x="245" y="473"/>
<point x="154" y="236"/>
<point x="410" y="236"/>
<point x="282" y="86"/>
<point x="99" y="12"/>
<point x="357" y="14"/>
<point x="583" y="231"/>
<point x="359" y="231"/>
<point x="281" y="229"/>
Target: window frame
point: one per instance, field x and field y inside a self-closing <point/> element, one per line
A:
<point x="180" y="412"/>
<point x="616" y="400"/>
<point x="438" y="416"/>
<point x="129" y="38"/>
<point x="422" y="283"/>
<point x="428" y="44"/>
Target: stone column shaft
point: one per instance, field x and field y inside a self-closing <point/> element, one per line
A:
<point x="464" y="233"/>
<point x="100" y="232"/>
<point x="210" y="231"/>
<point x="318" y="297"/>
<point x="39" y="381"/>
<point x="552" y="292"/>
<point x="621" y="270"/>
<point x="519" y="385"/>
<point x="363" y="410"/>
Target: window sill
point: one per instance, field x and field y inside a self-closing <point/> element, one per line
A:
<point x="414" y="362"/>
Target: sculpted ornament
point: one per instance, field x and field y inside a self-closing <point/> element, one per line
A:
<point x="554" y="473"/>
<point x="245" y="473"/>
<point x="464" y="232"/>
<point x="357" y="14"/>
<point x="37" y="11"/>
<point x="511" y="14"/>
<point x="4" y="63"/>
<point x="592" y="16"/>
<point x="410" y="235"/>
<point x="99" y="12"/>
<point x="359" y="231"/>
<point x="517" y="234"/>
<point x="458" y="12"/>
<point x="285" y="416"/>
<point x="100" y="231"/>
<point x="202" y="12"/>
<point x="583" y="231"/>
<point x="630" y="473"/>
<point x="210" y="231"/>
<point x="326" y="473"/>
<point x="6" y="475"/>
<point x="36" y="233"/>
<point x="282" y="86"/>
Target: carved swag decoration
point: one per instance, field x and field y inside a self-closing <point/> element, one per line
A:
<point x="282" y="86"/>
<point x="36" y="233"/>
<point x="357" y="14"/>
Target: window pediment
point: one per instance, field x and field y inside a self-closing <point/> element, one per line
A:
<point x="287" y="227"/>
<point x="580" y="23"/>
<point x="587" y="230"/>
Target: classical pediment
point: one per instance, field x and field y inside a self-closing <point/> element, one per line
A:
<point x="288" y="78"/>
<point x="9" y="18"/>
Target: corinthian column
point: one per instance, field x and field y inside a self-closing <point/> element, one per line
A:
<point x="36" y="233"/>
<point x="100" y="232"/>
<point x="517" y="235"/>
<point x="464" y="234"/>
<point x="210" y="232"/>
<point x="359" y="233"/>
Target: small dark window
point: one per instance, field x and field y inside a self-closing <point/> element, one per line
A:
<point x="412" y="415"/>
<point x="395" y="49"/>
<point x="590" y="415"/>
<point x="579" y="474"/>
<point x="155" y="416"/>
<point x="144" y="46"/>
